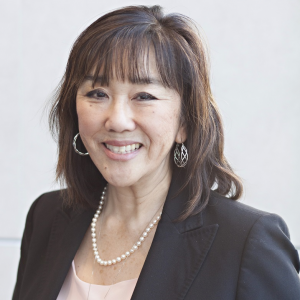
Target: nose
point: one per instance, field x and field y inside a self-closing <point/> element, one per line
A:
<point x="119" y="116"/>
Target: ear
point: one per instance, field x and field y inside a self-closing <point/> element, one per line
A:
<point x="181" y="135"/>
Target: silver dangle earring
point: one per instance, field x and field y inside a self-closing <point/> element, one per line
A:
<point x="74" y="145"/>
<point x="180" y="156"/>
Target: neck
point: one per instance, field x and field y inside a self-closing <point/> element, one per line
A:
<point x="139" y="203"/>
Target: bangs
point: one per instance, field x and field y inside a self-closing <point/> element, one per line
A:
<point x="127" y="55"/>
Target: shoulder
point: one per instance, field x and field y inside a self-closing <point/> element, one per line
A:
<point x="256" y="229"/>
<point x="249" y="231"/>
<point x="47" y="203"/>
<point x="234" y="214"/>
<point x="50" y="200"/>
<point x="44" y="209"/>
<point x="257" y="246"/>
<point x="46" y="212"/>
<point x="224" y="204"/>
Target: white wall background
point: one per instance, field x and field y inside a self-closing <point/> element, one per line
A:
<point x="255" y="59"/>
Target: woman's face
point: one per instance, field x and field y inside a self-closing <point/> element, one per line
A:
<point x="129" y="129"/>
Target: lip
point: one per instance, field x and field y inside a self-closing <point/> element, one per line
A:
<point x="120" y="143"/>
<point x="119" y="156"/>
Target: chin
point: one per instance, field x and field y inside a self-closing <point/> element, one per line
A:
<point x="120" y="180"/>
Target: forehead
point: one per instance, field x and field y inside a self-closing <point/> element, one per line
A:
<point x="140" y="69"/>
<point x="139" y="81"/>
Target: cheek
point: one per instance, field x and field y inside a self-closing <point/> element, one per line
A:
<point x="163" y="126"/>
<point x="169" y="121"/>
<point x="88" y="121"/>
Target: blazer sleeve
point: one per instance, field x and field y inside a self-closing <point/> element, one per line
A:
<point x="25" y="244"/>
<point x="270" y="263"/>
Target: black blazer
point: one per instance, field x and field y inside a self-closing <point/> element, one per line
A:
<point x="229" y="251"/>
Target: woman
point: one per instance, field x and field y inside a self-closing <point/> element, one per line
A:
<point x="139" y="218"/>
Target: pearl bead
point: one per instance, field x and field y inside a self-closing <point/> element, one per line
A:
<point x="151" y="225"/>
<point x="94" y="240"/>
<point x="145" y="234"/>
<point x="96" y="252"/>
<point x="93" y="229"/>
<point x="131" y="250"/>
<point x="93" y="225"/>
<point x="142" y="238"/>
<point x="98" y="260"/>
<point x="101" y="202"/>
<point x="123" y="256"/>
<point x="102" y="197"/>
<point x="109" y="262"/>
<point x="135" y="247"/>
<point x="93" y="235"/>
<point x="148" y="229"/>
<point x="154" y="221"/>
<point x="94" y="220"/>
<point x="118" y="259"/>
<point x="127" y="253"/>
<point x="97" y="257"/>
<point x="96" y="215"/>
<point x="113" y="261"/>
<point x="98" y="210"/>
<point x="138" y="243"/>
<point x="101" y="262"/>
<point x="105" y="263"/>
<point x="100" y="207"/>
<point x="94" y="245"/>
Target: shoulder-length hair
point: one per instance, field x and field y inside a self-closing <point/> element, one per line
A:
<point x="115" y="44"/>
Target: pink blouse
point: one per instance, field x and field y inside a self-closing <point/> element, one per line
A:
<point x="76" y="289"/>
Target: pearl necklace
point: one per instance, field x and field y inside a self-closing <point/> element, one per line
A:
<point x="127" y="253"/>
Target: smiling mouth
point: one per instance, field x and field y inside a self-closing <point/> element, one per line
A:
<point x="123" y="149"/>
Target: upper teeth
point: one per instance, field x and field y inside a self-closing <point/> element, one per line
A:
<point x="123" y="149"/>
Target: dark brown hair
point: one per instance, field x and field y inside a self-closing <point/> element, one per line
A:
<point x="116" y="43"/>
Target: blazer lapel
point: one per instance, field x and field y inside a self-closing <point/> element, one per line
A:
<point x="177" y="252"/>
<point x="66" y="235"/>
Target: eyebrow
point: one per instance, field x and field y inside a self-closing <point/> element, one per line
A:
<point x="141" y="81"/>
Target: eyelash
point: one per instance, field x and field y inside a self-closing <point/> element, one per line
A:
<point x="94" y="93"/>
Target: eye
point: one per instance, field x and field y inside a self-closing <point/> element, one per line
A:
<point x="144" y="96"/>
<point x="96" y="94"/>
